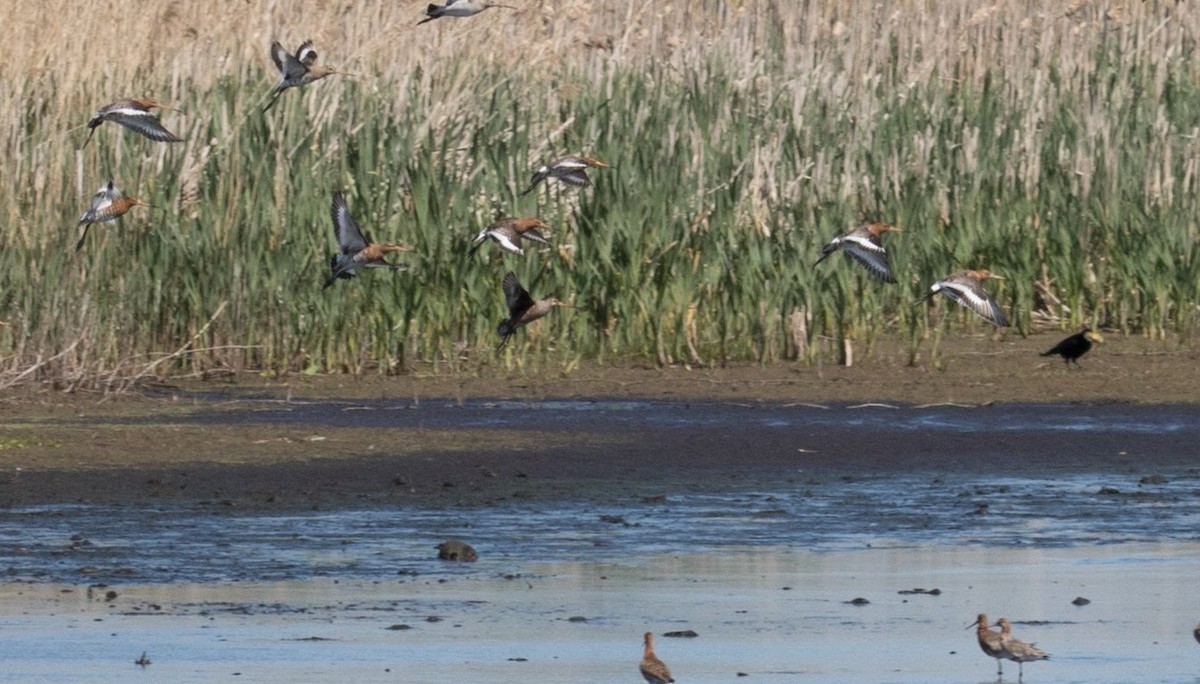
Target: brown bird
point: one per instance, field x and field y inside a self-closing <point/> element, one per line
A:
<point x="1075" y="346"/>
<point x="355" y="250"/>
<point x="989" y="641"/>
<point x="508" y="232"/>
<point x="571" y="170"/>
<point x="458" y="8"/>
<point x="653" y="670"/>
<point x="1016" y="650"/>
<point x="522" y="309"/>
<point x="134" y="114"/>
<point x="966" y="288"/>
<point x="107" y="205"/>
<point x="864" y="245"/>
<point x="296" y="71"/>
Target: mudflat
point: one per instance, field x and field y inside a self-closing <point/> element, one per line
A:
<point x="233" y="443"/>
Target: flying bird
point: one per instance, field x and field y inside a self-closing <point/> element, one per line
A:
<point x="107" y="205"/>
<point x="1016" y="650"/>
<point x="653" y="670"/>
<point x="571" y="170"/>
<point x="458" y="8"/>
<point x="1075" y="346"/>
<point x="356" y="251"/>
<point x="508" y="233"/>
<point x="522" y="309"/>
<point x="864" y="244"/>
<point x="134" y="114"/>
<point x="298" y="70"/>
<point x="966" y="288"/>
<point x="989" y="641"/>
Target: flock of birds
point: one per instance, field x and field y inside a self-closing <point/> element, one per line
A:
<point x="355" y="250"/>
<point x="863" y="243"/>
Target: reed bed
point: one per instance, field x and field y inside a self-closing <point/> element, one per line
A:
<point x="1055" y="145"/>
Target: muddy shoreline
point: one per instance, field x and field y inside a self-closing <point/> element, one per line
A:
<point x="151" y="447"/>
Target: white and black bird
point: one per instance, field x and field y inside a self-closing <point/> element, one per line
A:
<point x="865" y="246"/>
<point x="966" y="288"/>
<point x="107" y="205"/>
<point x="508" y="233"/>
<point x="571" y="170"/>
<point x="134" y="114"/>
<point x="296" y="70"/>
<point x="458" y="8"/>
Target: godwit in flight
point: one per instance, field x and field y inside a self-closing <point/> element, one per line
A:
<point x="458" y="8"/>
<point x="864" y="244"/>
<point x="107" y="205"/>
<point x="966" y="288"/>
<point x="571" y="170"/>
<point x="298" y="70"/>
<point x="134" y="114"/>
<point x="522" y="309"/>
<point x="355" y="250"/>
<point x="508" y="233"/>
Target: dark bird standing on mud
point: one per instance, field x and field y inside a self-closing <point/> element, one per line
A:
<point x="1075" y="346"/>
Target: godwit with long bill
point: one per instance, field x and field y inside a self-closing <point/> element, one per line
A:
<point x="864" y="245"/>
<point x="508" y="233"/>
<point x="989" y="641"/>
<point x="1016" y="650"/>
<point x="296" y="70"/>
<point x="133" y="113"/>
<point x="966" y="288"/>
<point x="355" y="250"/>
<point x="522" y="308"/>
<point x="653" y="670"/>
<point x="107" y="205"/>
<point x="571" y="170"/>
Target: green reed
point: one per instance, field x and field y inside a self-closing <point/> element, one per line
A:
<point x="725" y="181"/>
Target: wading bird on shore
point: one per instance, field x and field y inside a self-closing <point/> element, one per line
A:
<point x="1075" y="346"/>
<point x="571" y="170"/>
<point x="296" y="71"/>
<point x="966" y="288"/>
<point x="107" y="205"/>
<point x="653" y="670"/>
<point x="508" y="233"/>
<point x="356" y="251"/>
<point x="864" y="244"/>
<point x="989" y="641"/>
<point x="1016" y="650"/>
<point x="458" y="8"/>
<point x="134" y="114"/>
<point x="522" y="309"/>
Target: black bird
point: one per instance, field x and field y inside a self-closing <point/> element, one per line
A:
<point x="1075" y="346"/>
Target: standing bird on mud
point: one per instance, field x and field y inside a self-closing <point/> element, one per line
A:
<point x="134" y="114"/>
<point x="653" y="670"/>
<point x="355" y="250"/>
<point x="296" y="71"/>
<point x="107" y="205"/>
<point x="522" y="309"/>
<point x="571" y="170"/>
<point x="508" y="233"/>
<point x="458" y="8"/>
<point x="989" y="641"/>
<point x="966" y="288"/>
<point x="1016" y="650"/>
<point x="1075" y="346"/>
<point x="864" y="244"/>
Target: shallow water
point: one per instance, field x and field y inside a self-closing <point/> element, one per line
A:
<point x="761" y="565"/>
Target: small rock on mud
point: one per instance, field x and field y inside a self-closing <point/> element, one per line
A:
<point x="455" y="550"/>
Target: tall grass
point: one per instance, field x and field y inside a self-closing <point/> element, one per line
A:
<point x="1057" y="147"/>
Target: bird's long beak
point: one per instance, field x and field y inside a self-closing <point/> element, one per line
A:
<point x="972" y="624"/>
<point x="140" y="203"/>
